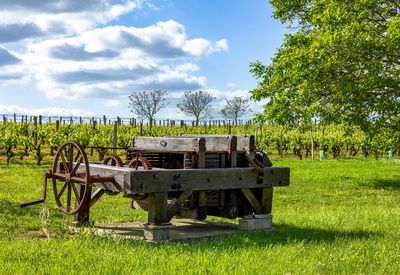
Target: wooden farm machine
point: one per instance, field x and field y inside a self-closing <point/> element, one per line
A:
<point x="189" y="176"/>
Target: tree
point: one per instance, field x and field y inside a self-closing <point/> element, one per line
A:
<point x="147" y="104"/>
<point x="235" y="108"/>
<point x="197" y="104"/>
<point x="340" y="63"/>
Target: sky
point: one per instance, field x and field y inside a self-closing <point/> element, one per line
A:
<point x="83" y="58"/>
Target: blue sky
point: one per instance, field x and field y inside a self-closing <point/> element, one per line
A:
<point x="66" y="57"/>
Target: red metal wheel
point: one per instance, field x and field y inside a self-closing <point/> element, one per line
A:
<point x="113" y="161"/>
<point x="139" y="160"/>
<point x="71" y="167"/>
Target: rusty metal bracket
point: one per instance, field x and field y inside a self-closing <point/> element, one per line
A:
<point x="256" y="164"/>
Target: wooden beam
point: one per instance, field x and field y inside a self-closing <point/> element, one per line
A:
<point x="131" y="181"/>
<point x="253" y="201"/>
<point x="96" y="196"/>
<point x="166" y="144"/>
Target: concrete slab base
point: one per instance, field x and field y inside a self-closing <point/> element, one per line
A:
<point x="179" y="229"/>
<point x="256" y="222"/>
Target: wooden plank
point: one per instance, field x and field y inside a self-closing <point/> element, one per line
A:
<point x="246" y="143"/>
<point x="164" y="144"/>
<point x="214" y="143"/>
<point x="253" y="201"/>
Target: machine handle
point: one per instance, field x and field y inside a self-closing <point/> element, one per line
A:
<point x="31" y="203"/>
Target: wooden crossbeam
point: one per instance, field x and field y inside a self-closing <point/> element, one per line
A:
<point x="174" y="207"/>
<point x="253" y="201"/>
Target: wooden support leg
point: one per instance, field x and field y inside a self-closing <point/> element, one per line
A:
<point x="82" y="217"/>
<point x="267" y="200"/>
<point x="202" y="206"/>
<point x="158" y="208"/>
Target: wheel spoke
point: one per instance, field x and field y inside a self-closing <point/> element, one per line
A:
<point x="62" y="190"/>
<point x="64" y="161"/>
<point x="71" y="157"/>
<point x="69" y="197"/>
<point x="76" y="166"/>
<point x="77" y="156"/>
<point x="78" y="197"/>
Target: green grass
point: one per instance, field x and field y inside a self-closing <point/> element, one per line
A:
<point x="336" y="217"/>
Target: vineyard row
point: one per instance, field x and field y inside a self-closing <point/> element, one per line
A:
<point x="33" y="139"/>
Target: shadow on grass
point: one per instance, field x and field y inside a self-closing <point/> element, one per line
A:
<point x="12" y="210"/>
<point x="9" y="208"/>
<point x="287" y="233"/>
<point x="386" y="184"/>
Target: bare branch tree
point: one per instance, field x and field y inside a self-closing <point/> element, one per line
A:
<point x="147" y="104"/>
<point x="235" y="108"/>
<point x="197" y="104"/>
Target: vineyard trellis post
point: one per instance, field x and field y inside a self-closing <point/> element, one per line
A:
<point x="312" y="141"/>
<point x="115" y="137"/>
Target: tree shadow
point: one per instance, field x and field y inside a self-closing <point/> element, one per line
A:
<point x="9" y="208"/>
<point x="386" y="184"/>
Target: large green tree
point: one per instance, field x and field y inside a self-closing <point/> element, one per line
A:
<point x="339" y="63"/>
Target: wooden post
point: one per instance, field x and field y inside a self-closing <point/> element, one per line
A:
<point x="35" y="139"/>
<point x="40" y="120"/>
<point x="57" y="125"/>
<point x="158" y="208"/>
<point x="104" y="120"/>
<point x="82" y="217"/>
<point x="15" y="118"/>
<point x="312" y="142"/>
<point x="233" y="151"/>
<point x="266" y="204"/>
<point x="115" y="137"/>
<point x="281" y="144"/>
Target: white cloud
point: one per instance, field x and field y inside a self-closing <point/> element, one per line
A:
<point x="68" y="51"/>
<point x="231" y="84"/>
<point x="49" y="17"/>
<point x="222" y="44"/>
<point x="110" y="61"/>
<point x="111" y="103"/>
<point x="48" y="111"/>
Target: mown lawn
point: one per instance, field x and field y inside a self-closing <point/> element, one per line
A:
<point x="338" y="216"/>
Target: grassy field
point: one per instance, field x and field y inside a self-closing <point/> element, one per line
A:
<point x="336" y="217"/>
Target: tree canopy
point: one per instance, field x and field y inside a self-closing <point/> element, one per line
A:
<point x="197" y="104"/>
<point x="339" y="63"/>
<point x="148" y="103"/>
<point x="235" y="108"/>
